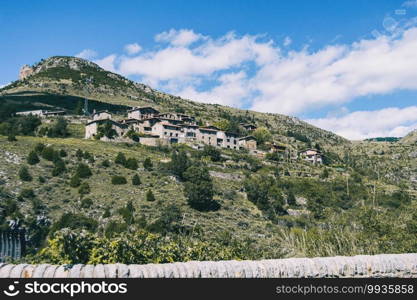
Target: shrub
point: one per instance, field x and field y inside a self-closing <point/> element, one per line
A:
<point x="136" y="180"/>
<point x="62" y="153"/>
<point x="27" y="193"/>
<point x="179" y="163"/>
<point x="120" y="159"/>
<point x="86" y="203"/>
<point x="118" y="180"/>
<point x="212" y="152"/>
<point x="32" y="158"/>
<point x="106" y="213"/>
<point x="59" y="168"/>
<point x="199" y="189"/>
<point x="79" y="154"/>
<point x="150" y="196"/>
<point x="114" y="228"/>
<point x="75" y="181"/>
<point x="75" y="221"/>
<point x="105" y="163"/>
<point x="131" y="164"/>
<point x="147" y="164"/>
<point x="84" y="189"/>
<point x="83" y="171"/>
<point x="41" y="179"/>
<point x="59" y="128"/>
<point x="48" y="153"/>
<point x="39" y="147"/>
<point x="24" y="174"/>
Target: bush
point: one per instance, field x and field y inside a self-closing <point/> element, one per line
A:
<point x="118" y="180"/>
<point x="79" y="154"/>
<point x="41" y="179"/>
<point x="39" y="148"/>
<point x="86" y="203"/>
<point x="84" y="189"/>
<point x="75" y="181"/>
<point x="83" y="171"/>
<point x="27" y="193"/>
<point x="48" y="153"/>
<point x="59" y="168"/>
<point x="59" y="128"/>
<point x="24" y="174"/>
<point x="106" y="213"/>
<point x="105" y="163"/>
<point x="32" y="158"/>
<point x="147" y="164"/>
<point x="136" y="180"/>
<point x="120" y="159"/>
<point x="179" y="163"/>
<point x="199" y="189"/>
<point x="75" y="221"/>
<point x="212" y="152"/>
<point x="131" y="164"/>
<point x="62" y="153"/>
<point x="150" y="196"/>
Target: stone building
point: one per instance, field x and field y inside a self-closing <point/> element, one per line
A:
<point x="92" y="128"/>
<point x="248" y="142"/>
<point x="141" y="113"/>
<point x="101" y="115"/>
<point x="311" y="155"/>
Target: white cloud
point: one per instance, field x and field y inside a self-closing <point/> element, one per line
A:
<point x="410" y="3"/>
<point x="132" y="48"/>
<point x="337" y="74"/>
<point x="87" y="54"/>
<point x="251" y="71"/>
<point x="358" y="125"/>
<point x="287" y="41"/>
<point x="108" y="62"/>
<point x="180" y="38"/>
<point x="181" y="63"/>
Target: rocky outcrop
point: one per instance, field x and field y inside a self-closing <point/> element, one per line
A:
<point x="384" y="265"/>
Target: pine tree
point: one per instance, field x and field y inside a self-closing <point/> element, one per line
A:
<point x="24" y="174"/>
<point x="120" y="159"/>
<point x="75" y="181"/>
<point x="83" y="171"/>
<point x="131" y="164"/>
<point x="32" y="158"/>
<point x="147" y="164"/>
<point x="150" y="196"/>
<point x="136" y="180"/>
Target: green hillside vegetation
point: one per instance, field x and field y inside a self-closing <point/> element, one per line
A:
<point x="88" y="201"/>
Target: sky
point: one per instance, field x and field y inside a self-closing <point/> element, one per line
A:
<point x="349" y="66"/>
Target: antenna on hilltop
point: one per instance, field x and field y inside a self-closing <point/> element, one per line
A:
<point x="86" y="89"/>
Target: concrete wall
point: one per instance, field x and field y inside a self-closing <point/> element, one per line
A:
<point x="384" y="265"/>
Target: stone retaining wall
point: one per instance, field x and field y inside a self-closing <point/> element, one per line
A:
<point x="384" y="265"/>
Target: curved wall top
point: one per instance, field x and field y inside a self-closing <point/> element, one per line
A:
<point x="384" y="265"/>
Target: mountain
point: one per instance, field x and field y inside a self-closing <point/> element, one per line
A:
<point x="63" y="81"/>
<point x="410" y="138"/>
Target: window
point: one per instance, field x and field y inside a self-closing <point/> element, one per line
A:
<point x="228" y="140"/>
<point x="165" y="133"/>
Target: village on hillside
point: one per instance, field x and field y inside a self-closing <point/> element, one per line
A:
<point x="148" y="126"/>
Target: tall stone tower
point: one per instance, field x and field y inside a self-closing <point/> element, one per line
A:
<point x="25" y="71"/>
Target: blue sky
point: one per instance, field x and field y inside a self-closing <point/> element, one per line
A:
<point x="347" y="66"/>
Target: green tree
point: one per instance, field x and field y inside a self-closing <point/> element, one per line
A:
<point x="212" y="152"/>
<point x="199" y="189"/>
<point x="150" y="196"/>
<point x="116" y="180"/>
<point x="262" y="135"/>
<point x="48" y="153"/>
<point x="136" y="180"/>
<point x="59" y="128"/>
<point x="83" y="171"/>
<point x="79" y="154"/>
<point x="120" y="159"/>
<point x="84" y="189"/>
<point x="59" y="168"/>
<point x="75" y="181"/>
<point x="32" y="158"/>
<point x="131" y="163"/>
<point x="147" y="164"/>
<point x="179" y="163"/>
<point x="24" y="174"/>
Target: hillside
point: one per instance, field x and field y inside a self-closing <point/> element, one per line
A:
<point x="410" y="138"/>
<point x="75" y="79"/>
<point x="89" y="201"/>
